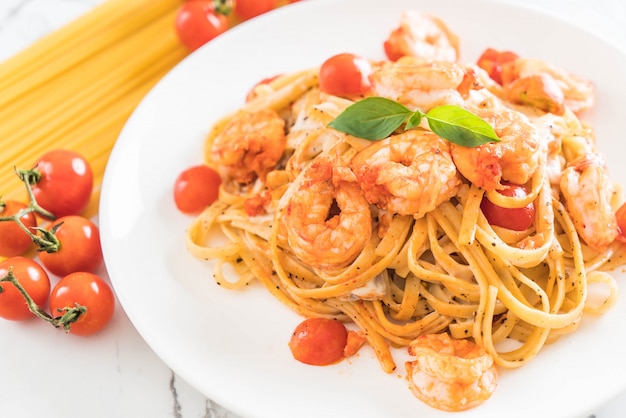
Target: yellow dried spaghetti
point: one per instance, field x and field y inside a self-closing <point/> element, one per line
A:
<point x="76" y="87"/>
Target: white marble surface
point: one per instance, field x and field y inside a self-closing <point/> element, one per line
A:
<point x="44" y="373"/>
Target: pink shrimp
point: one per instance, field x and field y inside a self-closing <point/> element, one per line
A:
<point x="327" y="219"/>
<point x="250" y="145"/>
<point x="450" y="374"/>
<point x="411" y="173"/>
<point x="514" y="158"/>
<point x="422" y="35"/>
<point x="587" y="192"/>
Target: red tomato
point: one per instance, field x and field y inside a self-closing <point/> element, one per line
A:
<point x="66" y="182"/>
<point x="517" y="219"/>
<point x="13" y="240"/>
<point x="196" y="188"/>
<point x="319" y="341"/>
<point x="90" y="291"/>
<point x="247" y="9"/>
<point x="197" y="23"/>
<point x="33" y="279"/>
<point x="621" y="222"/>
<point x="79" y="247"/>
<point x="345" y="75"/>
<point x="494" y="62"/>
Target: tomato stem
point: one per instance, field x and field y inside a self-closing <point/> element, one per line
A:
<point x="29" y="177"/>
<point x="223" y="7"/>
<point x="70" y="315"/>
<point x="46" y="241"/>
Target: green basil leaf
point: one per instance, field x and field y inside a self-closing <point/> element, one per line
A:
<point x="460" y="126"/>
<point x="414" y="120"/>
<point x="372" y="118"/>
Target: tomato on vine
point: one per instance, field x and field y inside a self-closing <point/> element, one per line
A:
<point x="86" y="290"/>
<point x="77" y="247"/>
<point x="13" y="239"/>
<point x="32" y="277"/>
<point x="198" y="22"/>
<point x="61" y="182"/>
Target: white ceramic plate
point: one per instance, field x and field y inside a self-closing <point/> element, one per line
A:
<point x="232" y="346"/>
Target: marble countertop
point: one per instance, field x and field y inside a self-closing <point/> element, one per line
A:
<point x="116" y="374"/>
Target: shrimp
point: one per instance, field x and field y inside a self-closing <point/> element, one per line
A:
<point x="328" y="221"/>
<point x="587" y="193"/>
<point x="514" y="158"/>
<point x="450" y="374"/>
<point x="250" y="145"/>
<point x="536" y="83"/>
<point x="419" y="84"/>
<point x="422" y="35"/>
<point x="410" y="173"/>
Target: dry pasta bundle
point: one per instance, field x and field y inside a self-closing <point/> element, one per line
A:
<point x="76" y="88"/>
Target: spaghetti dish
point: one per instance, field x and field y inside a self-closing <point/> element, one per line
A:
<point x="473" y="257"/>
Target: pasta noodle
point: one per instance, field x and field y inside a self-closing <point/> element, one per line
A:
<point x="334" y="227"/>
<point x="76" y="88"/>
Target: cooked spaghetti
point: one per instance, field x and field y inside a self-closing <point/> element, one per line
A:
<point x="393" y="235"/>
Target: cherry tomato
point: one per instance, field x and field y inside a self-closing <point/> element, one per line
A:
<point x="319" y="341"/>
<point x="621" y="222"/>
<point x="66" y="182"/>
<point x="33" y="279"/>
<point x="79" y="247"/>
<point x="196" y="188"/>
<point x="494" y="62"/>
<point x="13" y="240"/>
<point x="517" y="219"/>
<point x="197" y="23"/>
<point x="345" y="75"/>
<point x="90" y="291"/>
<point x="247" y="9"/>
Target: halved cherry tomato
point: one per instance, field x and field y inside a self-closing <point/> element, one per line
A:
<point x="516" y="219"/>
<point x="319" y="341"/>
<point x="90" y="291"/>
<point x="620" y="215"/>
<point x="13" y="240"/>
<point x="247" y="9"/>
<point x="196" y="188"/>
<point x="33" y="279"/>
<point x="494" y="62"/>
<point x="79" y="247"/>
<point x="345" y="75"/>
<point x="66" y="182"/>
<point x="197" y="23"/>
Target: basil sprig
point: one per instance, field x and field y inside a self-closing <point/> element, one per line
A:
<point x="375" y="118"/>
